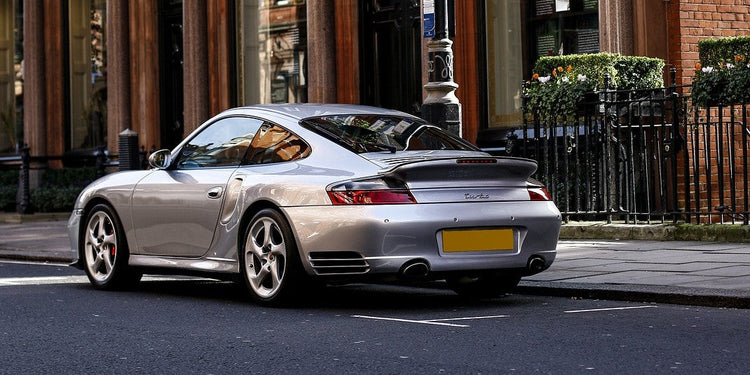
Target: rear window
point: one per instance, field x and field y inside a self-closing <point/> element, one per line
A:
<point x="372" y="133"/>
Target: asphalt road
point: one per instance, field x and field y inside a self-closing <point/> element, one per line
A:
<point x="52" y="321"/>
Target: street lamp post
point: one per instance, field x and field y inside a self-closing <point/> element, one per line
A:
<point x="441" y="106"/>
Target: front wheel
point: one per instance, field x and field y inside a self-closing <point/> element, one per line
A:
<point x="484" y="285"/>
<point x="269" y="260"/>
<point x="105" y="250"/>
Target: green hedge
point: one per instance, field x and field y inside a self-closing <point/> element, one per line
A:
<point x="723" y="75"/>
<point x="60" y="188"/>
<point x="561" y="83"/>
<point x="57" y="193"/>
<point x="639" y="73"/>
<point x="625" y="72"/>
<point x="8" y="189"/>
<point x="711" y="52"/>
<point x="54" y="198"/>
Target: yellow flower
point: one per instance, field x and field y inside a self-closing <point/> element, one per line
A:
<point x="570" y="68"/>
<point x="560" y="69"/>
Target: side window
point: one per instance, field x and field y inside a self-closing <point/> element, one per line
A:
<point x="275" y="144"/>
<point x="222" y="144"/>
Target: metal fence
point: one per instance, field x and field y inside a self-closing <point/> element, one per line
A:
<point x="24" y="163"/>
<point x="641" y="156"/>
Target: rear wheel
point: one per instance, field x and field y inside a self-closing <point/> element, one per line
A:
<point x="269" y="260"/>
<point x="105" y="250"/>
<point x="484" y="285"/>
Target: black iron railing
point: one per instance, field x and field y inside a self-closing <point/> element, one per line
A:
<point x="24" y="163"/>
<point x="641" y="156"/>
<point x="718" y="157"/>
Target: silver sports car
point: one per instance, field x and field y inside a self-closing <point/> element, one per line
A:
<point x="278" y="196"/>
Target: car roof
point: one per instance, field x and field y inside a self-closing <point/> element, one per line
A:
<point x="301" y="111"/>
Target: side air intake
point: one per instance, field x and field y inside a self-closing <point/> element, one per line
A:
<point x="338" y="263"/>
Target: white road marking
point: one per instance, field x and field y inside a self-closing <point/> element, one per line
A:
<point x="609" y="309"/>
<point x="444" y="321"/>
<point x="52" y="280"/>
<point x="410" y="321"/>
<point x="437" y="322"/>
<point x="45" y="280"/>
<point x="470" y="318"/>
<point x="33" y="263"/>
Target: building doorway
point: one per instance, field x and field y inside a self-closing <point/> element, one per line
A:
<point x="390" y="54"/>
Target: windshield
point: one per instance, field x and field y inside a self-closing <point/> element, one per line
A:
<point x="370" y="133"/>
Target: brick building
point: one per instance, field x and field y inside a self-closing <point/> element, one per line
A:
<point x="689" y="21"/>
<point x="75" y="73"/>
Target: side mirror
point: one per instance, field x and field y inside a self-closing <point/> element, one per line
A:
<point x="160" y="159"/>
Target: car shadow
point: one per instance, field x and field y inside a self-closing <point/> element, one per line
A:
<point x="344" y="298"/>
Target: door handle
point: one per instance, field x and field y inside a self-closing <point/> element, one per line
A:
<point x="215" y="193"/>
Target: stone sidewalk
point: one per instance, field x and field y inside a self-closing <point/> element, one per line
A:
<point x="683" y="272"/>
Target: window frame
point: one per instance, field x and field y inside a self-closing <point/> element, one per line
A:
<point x="180" y="157"/>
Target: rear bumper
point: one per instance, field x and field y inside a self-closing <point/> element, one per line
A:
<point x="388" y="237"/>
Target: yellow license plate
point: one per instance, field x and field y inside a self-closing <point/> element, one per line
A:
<point x="478" y="240"/>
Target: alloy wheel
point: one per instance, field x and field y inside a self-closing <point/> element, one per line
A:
<point x="101" y="246"/>
<point x="265" y="257"/>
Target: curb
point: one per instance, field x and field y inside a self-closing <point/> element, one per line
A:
<point x="47" y="257"/>
<point x="735" y="233"/>
<point x="634" y="293"/>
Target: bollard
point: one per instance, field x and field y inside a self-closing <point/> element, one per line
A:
<point x="129" y="153"/>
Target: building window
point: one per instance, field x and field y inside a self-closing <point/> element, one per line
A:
<point x="18" y="73"/>
<point x="88" y="83"/>
<point x="273" y="48"/>
<point x="561" y="27"/>
<point x="11" y="76"/>
<point x="521" y="31"/>
<point x="505" y="63"/>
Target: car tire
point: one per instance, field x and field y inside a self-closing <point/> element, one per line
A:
<point x="269" y="260"/>
<point x="484" y="285"/>
<point x="105" y="251"/>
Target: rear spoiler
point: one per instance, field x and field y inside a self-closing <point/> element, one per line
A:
<point x="493" y="170"/>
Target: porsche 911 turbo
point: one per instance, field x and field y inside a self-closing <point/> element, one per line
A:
<point x="282" y="196"/>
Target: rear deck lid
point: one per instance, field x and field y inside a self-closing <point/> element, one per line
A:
<point x="470" y="177"/>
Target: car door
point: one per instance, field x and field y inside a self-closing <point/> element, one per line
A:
<point x="175" y="211"/>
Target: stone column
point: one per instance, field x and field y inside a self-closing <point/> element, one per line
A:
<point x="195" y="60"/>
<point x="321" y="51"/>
<point x="118" y="71"/>
<point x="221" y="62"/>
<point x="55" y="91"/>
<point x="144" y="71"/>
<point x="616" y="26"/>
<point x="34" y="83"/>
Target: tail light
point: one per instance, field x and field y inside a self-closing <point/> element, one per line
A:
<point x="539" y="193"/>
<point x="374" y="191"/>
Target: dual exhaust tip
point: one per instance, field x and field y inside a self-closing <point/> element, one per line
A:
<point x="535" y="265"/>
<point x="419" y="268"/>
<point x="415" y="269"/>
